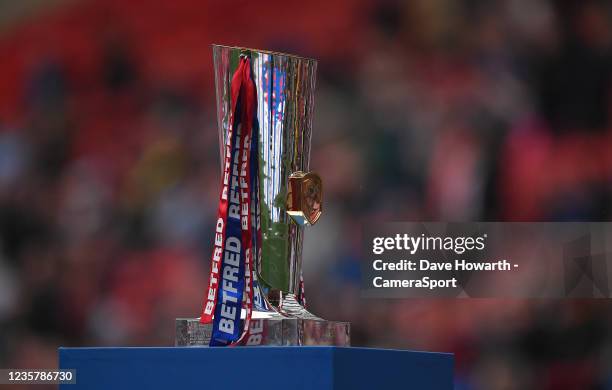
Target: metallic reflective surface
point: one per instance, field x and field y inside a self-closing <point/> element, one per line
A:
<point x="285" y="92"/>
<point x="288" y="193"/>
<point x="287" y="331"/>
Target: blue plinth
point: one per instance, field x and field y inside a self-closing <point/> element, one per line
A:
<point x="324" y="368"/>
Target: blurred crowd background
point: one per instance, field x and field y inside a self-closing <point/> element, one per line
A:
<point x="433" y="110"/>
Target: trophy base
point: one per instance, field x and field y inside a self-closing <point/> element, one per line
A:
<point x="270" y="331"/>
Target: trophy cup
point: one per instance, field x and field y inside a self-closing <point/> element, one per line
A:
<point x="289" y="198"/>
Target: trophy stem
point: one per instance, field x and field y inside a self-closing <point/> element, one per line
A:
<point x="288" y="305"/>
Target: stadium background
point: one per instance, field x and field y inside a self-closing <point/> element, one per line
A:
<point x="449" y="110"/>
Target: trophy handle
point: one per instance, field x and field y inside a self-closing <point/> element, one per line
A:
<point x="305" y="197"/>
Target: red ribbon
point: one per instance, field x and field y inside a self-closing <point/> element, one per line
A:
<point x="243" y="88"/>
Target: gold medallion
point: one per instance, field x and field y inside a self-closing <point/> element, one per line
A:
<point x="305" y="197"/>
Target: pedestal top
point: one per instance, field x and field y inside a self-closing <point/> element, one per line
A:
<point x="258" y="367"/>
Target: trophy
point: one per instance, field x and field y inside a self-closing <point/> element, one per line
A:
<point x="265" y="106"/>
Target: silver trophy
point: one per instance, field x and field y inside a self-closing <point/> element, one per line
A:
<point x="290" y="197"/>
